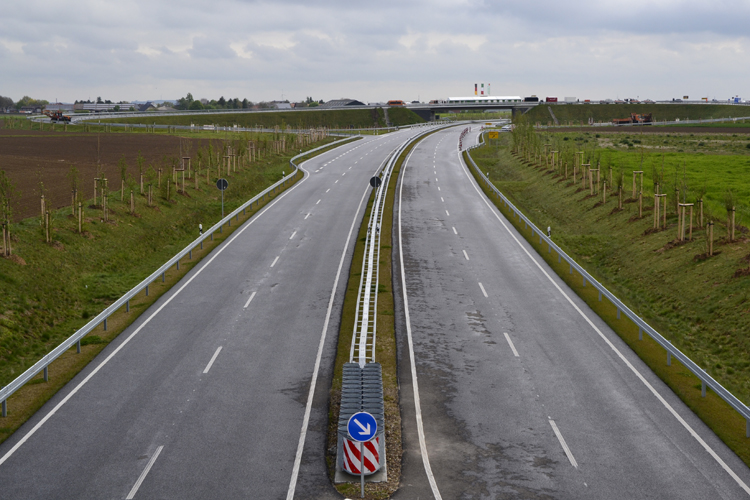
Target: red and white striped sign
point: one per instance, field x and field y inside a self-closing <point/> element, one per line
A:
<point x="352" y="462"/>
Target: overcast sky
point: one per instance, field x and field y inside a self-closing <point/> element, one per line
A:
<point x="373" y="51"/>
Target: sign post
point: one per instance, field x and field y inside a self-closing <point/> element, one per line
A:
<point x="222" y="184"/>
<point x="362" y="427"/>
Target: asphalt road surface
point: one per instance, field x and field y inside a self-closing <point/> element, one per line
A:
<point x="523" y="391"/>
<point x="207" y="394"/>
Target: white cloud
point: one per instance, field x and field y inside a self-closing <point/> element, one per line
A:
<point x="135" y="49"/>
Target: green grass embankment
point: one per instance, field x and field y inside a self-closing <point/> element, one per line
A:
<point x="52" y="290"/>
<point x="333" y="118"/>
<point x="698" y="304"/>
<point x="580" y="113"/>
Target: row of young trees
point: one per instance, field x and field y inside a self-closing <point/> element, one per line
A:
<point x="594" y="170"/>
<point x="172" y="176"/>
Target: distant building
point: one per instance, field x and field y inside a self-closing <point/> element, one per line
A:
<point x="281" y="104"/>
<point x="59" y="106"/>
<point x="101" y="107"/>
<point x="341" y="103"/>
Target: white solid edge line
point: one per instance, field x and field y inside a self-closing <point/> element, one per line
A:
<point x="213" y="358"/>
<point x="415" y="385"/>
<point x="625" y="360"/>
<point x="147" y="321"/>
<point x="275" y="261"/>
<point x="292" y="236"/>
<point x="465" y="254"/>
<point x="483" y="290"/>
<point x="510" y="343"/>
<point x="143" y="475"/>
<point x="563" y="443"/>
<point x="313" y="382"/>
<point x="249" y="300"/>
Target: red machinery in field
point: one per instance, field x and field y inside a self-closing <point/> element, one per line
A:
<point x="644" y="119"/>
<point x="57" y="116"/>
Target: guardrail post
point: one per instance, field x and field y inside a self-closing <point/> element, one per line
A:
<point x="190" y="254"/>
<point x="571" y="269"/>
<point x="127" y="306"/>
<point x="669" y="358"/>
<point x="229" y="223"/>
<point x="105" y="324"/>
<point x="5" y="408"/>
<point x="600" y="296"/>
<point x="46" y="373"/>
<point x="584" y="281"/>
<point x="163" y="277"/>
<point x="747" y="425"/>
<point x="640" y="333"/>
<point x="618" y="313"/>
<point x="178" y="264"/>
<point x="78" y="347"/>
<point x="703" y="388"/>
<point x="212" y="236"/>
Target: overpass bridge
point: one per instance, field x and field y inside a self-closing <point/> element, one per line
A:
<point x="429" y="111"/>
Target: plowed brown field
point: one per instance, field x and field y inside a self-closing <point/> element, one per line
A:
<point x="31" y="157"/>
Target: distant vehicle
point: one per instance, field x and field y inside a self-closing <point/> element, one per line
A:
<point x="587" y="101"/>
<point x="606" y="101"/>
<point x="632" y="101"/>
<point x="415" y="102"/>
<point x="551" y="99"/>
<point x="209" y="127"/>
<point x="531" y="99"/>
<point x="648" y="101"/>
<point x="619" y="101"/>
<point x="57" y="116"/>
<point x="676" y="100"/>
<point x="735" y="100"/>
<point x="437" y="101"/>
<point x="506" y="128"/>
<point x="396" y="102"/>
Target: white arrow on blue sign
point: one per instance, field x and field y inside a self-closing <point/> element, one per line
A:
<point x="362" y="426"/>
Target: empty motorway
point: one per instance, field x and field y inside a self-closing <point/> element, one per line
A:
<point x="208" y="394"/>
<point x="524" y="392"/>
<point x="510" y="386"/>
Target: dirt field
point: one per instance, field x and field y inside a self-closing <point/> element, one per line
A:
<point x="656" y="130"/>
<point x="31" y="157"/>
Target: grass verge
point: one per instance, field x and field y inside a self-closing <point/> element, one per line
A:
<point x="82" y="274"/>
<point x="718" y="415"/>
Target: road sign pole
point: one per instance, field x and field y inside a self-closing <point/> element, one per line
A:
<point x="362" y="470"/>
<point x="222" y="203"/>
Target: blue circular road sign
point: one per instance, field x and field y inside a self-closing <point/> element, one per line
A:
<point x="362" y="427"/>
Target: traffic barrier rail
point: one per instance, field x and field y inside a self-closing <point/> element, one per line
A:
<point x="365" y="319"/>
<point x="705" y="378"/>
<point x="75" y="339"/>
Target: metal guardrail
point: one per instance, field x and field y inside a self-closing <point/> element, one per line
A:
<point x="365" y="319"/>
<point x="101" y="318"/>
<point x="705" y="378"/>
